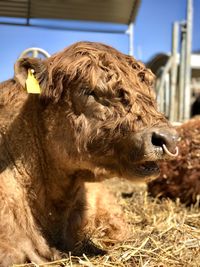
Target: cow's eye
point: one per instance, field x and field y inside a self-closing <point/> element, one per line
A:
<point x="122" y="94"/>
<point x="88" y="92"/>
<point x="138" y="118"/>
<point x="92" y="93"/>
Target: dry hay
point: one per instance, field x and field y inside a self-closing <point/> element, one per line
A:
<point x="164" y="233"/>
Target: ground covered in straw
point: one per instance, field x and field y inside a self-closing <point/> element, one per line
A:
<point x="164" y="233"/>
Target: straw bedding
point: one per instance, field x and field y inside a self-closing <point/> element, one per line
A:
<point x="164" y="233"/>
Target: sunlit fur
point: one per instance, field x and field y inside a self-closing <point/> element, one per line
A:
<point x="93" y="120"/>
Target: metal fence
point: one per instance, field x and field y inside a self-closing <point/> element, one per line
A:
<point x="173" y="85"/>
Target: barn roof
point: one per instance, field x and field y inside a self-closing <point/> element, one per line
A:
<point x="114" y="11"/>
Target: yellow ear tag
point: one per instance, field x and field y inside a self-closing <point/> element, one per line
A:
<point x="32" y="85"/>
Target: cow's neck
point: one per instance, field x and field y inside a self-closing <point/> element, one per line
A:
<point x="30" y="154"/>
<point x="63" y="211"/>
<point x="60" y="199"/>
<point x="52" y="191"/>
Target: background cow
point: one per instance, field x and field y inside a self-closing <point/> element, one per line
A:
<point x="180" y="178"/>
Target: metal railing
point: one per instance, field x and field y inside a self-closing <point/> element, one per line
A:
<point x="35" y="52"/>
<point x="174" y="82"/>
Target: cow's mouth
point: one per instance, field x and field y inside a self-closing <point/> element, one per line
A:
<point x="148" y="168"/>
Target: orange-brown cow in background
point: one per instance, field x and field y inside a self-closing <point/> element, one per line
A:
<point x="180" y="178"/>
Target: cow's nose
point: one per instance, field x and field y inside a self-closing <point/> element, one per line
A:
<point x="165" y="139"/>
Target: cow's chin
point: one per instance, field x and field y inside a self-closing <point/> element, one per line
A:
<point x="145" y="171"/>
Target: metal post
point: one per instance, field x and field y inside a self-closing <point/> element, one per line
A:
<point x="161" y="85"/>
<point x="182" y="73"/>
<point x="131" y="39"/>
<point x="188" y="48"/>
<point x="160" y="94"/>
<point x="173" y="100"/>
<point x="28" y="13"/>
<point x="167" y="96"/>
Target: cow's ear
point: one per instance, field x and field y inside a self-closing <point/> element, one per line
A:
<point x="36" y="67"/>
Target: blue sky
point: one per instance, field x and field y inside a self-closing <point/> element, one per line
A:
<point x="152" y="34"/>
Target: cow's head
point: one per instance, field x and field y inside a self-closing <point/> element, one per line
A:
<point x="101" y="110"/>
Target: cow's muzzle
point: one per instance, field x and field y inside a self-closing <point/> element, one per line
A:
<point x="153" y="145"/>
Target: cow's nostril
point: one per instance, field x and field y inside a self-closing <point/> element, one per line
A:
<point x="158" y="139"/>
<point x="167" y="140"/>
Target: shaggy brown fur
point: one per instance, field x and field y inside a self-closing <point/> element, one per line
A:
<point x="180" y="178"/>
<point x="94" y="119"/>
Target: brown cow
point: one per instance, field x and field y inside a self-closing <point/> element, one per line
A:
<point x="96" y="118"/>
<point x="180" y="178"/>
